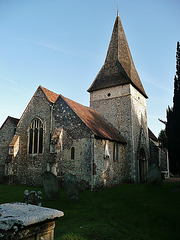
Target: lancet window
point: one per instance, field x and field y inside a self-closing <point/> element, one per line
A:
<point x="72" y="153"/>
<point x="115" y="152"/>
<point x="36" y="137"/>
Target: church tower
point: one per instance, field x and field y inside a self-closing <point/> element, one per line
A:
<point x="118" y="95"/>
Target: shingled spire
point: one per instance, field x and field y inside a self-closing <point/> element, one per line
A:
<point x="118" y="68"/>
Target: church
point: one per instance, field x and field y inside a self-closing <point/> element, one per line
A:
<point x="102" y="145"/>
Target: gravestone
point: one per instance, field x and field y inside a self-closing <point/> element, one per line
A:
<point x="50" y="184"/>
<point x="71" y="187"/>
<point x="34" y="198"/>
<point x="154" y="175"/>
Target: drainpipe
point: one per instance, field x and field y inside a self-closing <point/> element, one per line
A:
<point x="92" y="161"/>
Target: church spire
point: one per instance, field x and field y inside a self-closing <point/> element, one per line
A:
<point x="117" y="10"/>
<point x="118" y="68"/>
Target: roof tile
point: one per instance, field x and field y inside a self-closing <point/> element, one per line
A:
<point x="51" y="96"/>
<point x="95" y="122"/>
<point x="118" y="68"/>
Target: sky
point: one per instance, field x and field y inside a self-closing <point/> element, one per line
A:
<point x="62" y="45"/>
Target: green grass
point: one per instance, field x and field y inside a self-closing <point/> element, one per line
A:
<point x="135" y="212"/>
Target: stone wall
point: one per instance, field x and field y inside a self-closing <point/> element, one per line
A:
<point x="159" y="156"/>
<point x="125" y="108"/>
<point x="108" y="172"/>
<point x="77" y="135"/>
<point x="163" y="159"/>
<point x="154" y="153"/>
<point x="114" y="104"/>
<point x="27" y="168"/>
<point x="140" y="139"/>
<point x="6" y="135"/>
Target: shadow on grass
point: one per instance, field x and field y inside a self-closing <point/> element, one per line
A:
<point x="135" y="211"/>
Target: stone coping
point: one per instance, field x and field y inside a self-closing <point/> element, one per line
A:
<point x="20" y="215"/>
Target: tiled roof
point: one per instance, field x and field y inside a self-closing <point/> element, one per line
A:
<point x="152" y="136"/>
<point x="118" y="68"/>
<point x="51" y="96"/>
<point x="95" y="122"/>
<point x="14" y="120"/>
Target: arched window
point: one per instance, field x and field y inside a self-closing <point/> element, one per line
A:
<point x="72" y="153"/>
<point x="36" y="137"/>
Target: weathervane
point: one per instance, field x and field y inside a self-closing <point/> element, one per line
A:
<point x="117" y="10"/>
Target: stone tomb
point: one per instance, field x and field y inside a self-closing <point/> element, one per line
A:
<point x="27" y="222"/>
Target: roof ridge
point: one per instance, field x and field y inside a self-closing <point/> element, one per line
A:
<point x="50" y="95"/>
<point x="14" y="120"/>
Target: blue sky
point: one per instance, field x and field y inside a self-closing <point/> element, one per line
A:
<point x="62" y="45"/>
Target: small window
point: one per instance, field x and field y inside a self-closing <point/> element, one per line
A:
<point x="72" y="152"/>
<point x="36" y="137"/>
<point x="115" y="152"/>
<point x="109" y="95"/>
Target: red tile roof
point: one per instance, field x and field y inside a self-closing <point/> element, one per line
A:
<point x="95" y="122"/>
<point x="51" y="96"/>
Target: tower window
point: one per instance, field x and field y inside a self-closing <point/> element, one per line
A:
<point x="72" y="153"/>
<point x="115" y="152"/>
<point x="36" y="137"/>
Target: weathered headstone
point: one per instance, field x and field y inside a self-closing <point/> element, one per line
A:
<point x="50" y="184"/>
<point x="34" y="198"/>
<point x="154" y="175"/>
<point x="71" y="187"/>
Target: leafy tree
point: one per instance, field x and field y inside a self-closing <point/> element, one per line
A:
<point x="163" y="139"/>
<point x="173" y="122"/>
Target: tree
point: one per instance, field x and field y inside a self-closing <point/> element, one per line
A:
<point x="163" y="139"/>
<point x="173" y="122"/>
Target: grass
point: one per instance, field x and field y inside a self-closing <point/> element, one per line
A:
<point x="134" y="211"/>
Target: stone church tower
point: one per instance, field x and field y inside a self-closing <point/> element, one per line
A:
<point x="118" y="95"/>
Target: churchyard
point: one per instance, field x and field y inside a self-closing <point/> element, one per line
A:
<point x="129" y="211"/>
